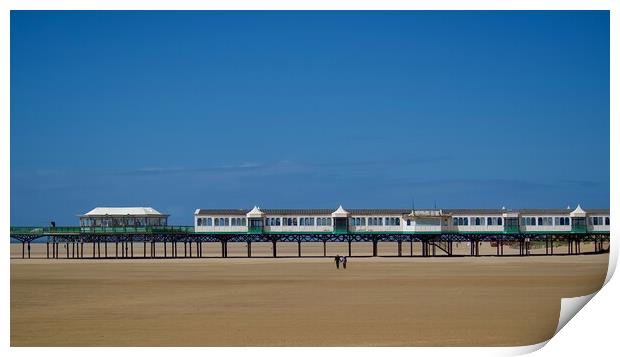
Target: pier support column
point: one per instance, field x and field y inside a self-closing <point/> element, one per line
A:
<point x="299" y="248"/>
<point x="374" y="247"/>
<point x="190" y="249"/>
<point x="131" y="245"/>
<point x="116" y="248"/>
<point x="145" y="249"/>
<point x="411" y="247"/>
<point x="400" y="248"/>
<point x="105" y="248"/>
<point x="165" y="249"/>
<point x="275" y="248"/>
<point x="223" y="249"/>
<point x="185" y="249"/>
<point x="350" y="248"/>
<point x="551" y="243"/>
<point x="23" y="249"/>
<point x="546" y="245"/>
<point x="98" y="249"/>
<point x="249" y="245"/>
<point x="28" y="250"/>
<point x="324" y="248"/>
<point x="47" y="249"/>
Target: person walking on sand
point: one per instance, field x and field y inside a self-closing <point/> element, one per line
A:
<point x="344" y="262"/>
<point x="337" y="259"/>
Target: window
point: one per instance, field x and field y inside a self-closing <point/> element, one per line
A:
<point x="295" y="221"/>
<point x="499" y="221"/>
<point x="409" y="222"/>
<point x="466" y="221"/>
<point x="606" y="221"/>
<point x="397" y="221"/>
<point x="489" y="221"/>
<point x="363" y="221"/>
<point x="209" y="221"/>
<point x="217" y="222"/>
<point x="226" y="222"/>
<point x="460" y="221"/>
<point x="199" y="223"/>
<point x="477" y="221"/>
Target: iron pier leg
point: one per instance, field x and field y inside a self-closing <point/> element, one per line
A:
<point x="23" y="249"/>
<point x="190" y="249"/>
<point x="249" y="248"/>
<point x="185" y="249"/>
<point x="374" y="247"/>
<point x="47" y="249"/>
<point x="400" y="248"/>
<point x="275" y="249"/>
<point x="546" y="245"/>
<point x="324" y="248"/>
<point x="223" y="249"/>
<point x="411" y="247"/>
<point x="165" y="252"/>
<point x="131" y="244"/>
<point x="98" y="249"/>
<point x="299" y="248"/>
<point x="349" y="248"/>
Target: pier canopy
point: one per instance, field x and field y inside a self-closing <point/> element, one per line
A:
<point x="123" y="217"/>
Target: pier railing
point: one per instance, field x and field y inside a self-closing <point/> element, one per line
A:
<point x="101" y="230"/>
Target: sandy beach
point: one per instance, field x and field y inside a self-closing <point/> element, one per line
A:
<point x="469" y="301"/>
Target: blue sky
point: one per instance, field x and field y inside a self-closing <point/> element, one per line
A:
<point x="184" y="110"/>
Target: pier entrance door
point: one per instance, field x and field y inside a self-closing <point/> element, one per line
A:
<point x="341" y="225"/>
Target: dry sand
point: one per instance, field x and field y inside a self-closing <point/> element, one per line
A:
<point x="484" y="301"/>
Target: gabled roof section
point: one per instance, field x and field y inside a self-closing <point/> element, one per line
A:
<point x="340" y="212"/>
<point x="578" y="212"/>
<point x="255" y="212"/>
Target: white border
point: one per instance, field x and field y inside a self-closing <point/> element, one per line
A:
<point x="592" y="331"/>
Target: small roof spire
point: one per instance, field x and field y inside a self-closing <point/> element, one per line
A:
<point x="340" y="212"/>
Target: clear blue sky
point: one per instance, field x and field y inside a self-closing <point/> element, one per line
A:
<point x="186" y="110"/>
